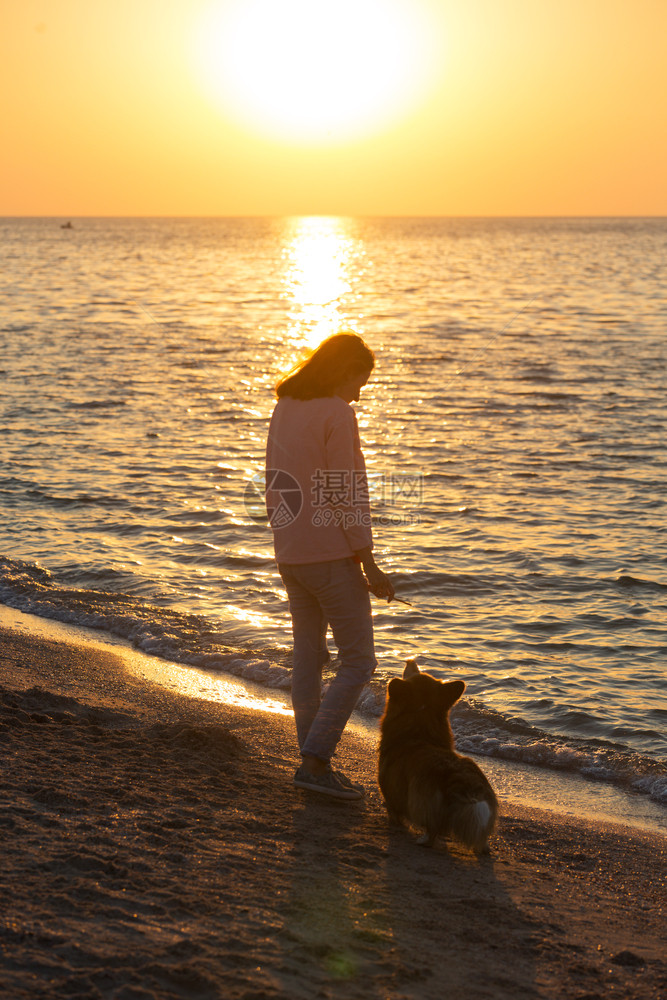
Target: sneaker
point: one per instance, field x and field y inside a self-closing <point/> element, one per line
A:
<point x="344" y="780"/>
<point x="328" y="783"/>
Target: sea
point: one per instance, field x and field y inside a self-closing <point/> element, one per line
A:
<point x="514" y="433"/>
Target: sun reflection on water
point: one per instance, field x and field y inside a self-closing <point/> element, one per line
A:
<point x="322" y="260"/>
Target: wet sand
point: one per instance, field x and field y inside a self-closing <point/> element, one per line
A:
<point x="153" y="846"/>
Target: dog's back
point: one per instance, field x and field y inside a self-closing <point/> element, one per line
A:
<point x="423" y="780"/>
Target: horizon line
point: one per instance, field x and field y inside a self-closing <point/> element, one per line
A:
<point x="335" y="215"/>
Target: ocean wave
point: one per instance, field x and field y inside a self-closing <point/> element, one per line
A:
<point x="198" y="641"/>
<point x="438" y="584"/>
<point x="480" y="730"/>
<point x="76" y="499"/>
<point x="180" y="636"/>
<point x="97" y="404"/>
<point x="625" y="580"/>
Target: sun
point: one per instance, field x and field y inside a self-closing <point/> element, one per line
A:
<point x="314" y="70"/>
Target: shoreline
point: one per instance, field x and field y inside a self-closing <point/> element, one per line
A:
<point x="559" y="791"/>
<point x="154" y="846"/>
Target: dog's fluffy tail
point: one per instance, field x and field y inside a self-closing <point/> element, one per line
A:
<point x="474" y="822"/>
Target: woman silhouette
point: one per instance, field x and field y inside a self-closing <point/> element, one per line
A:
<point x="318" y="505"/>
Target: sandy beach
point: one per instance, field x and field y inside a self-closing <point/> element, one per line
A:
<point x="153" y="846"/>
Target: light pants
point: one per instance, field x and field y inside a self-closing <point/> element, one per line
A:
<point x="333" y="593"/>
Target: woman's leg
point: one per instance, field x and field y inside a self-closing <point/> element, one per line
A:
<point x="309" y="629"/>
<point x="339" y="590"/>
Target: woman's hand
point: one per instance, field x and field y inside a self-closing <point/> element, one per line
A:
<point x="378" y="582"/>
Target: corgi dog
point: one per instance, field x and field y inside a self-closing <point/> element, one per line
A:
<point x="425" y="783"/>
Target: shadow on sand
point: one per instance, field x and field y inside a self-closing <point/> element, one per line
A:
<point x="370" y="913"/>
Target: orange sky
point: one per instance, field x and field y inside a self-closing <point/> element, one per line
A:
<point x="527" y="107"/>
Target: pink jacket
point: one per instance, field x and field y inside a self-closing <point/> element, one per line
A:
<point x="316" y="486"/>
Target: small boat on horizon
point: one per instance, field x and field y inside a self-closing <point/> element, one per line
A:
<point x="66" y="225"/>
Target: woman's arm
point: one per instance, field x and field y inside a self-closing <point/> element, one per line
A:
<point x="344" y="453"/>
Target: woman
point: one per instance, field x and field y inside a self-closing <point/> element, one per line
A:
<point x="317" y="499"/>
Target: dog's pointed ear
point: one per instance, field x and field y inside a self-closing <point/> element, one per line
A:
<point x="411" y="670"/>
<point x="453" y="691"/>
<point x="398" y="689"/>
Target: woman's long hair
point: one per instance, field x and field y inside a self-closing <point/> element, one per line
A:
<point x="337" y="359"/>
